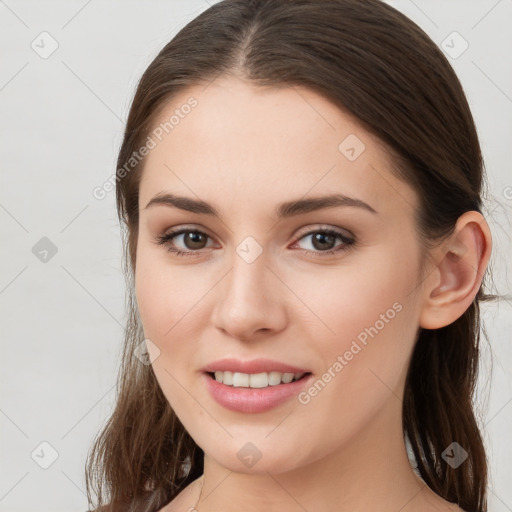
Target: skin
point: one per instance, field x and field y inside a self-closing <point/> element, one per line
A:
<point x="245" y="149"/>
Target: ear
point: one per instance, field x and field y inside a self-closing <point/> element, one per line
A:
<point x="456" y="279"/>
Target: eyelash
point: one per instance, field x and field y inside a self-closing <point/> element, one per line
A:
<point x="347" y="244"/>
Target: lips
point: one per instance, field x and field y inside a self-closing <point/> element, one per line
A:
<point x="254" y="400"/>
<point x="253" y="366"/>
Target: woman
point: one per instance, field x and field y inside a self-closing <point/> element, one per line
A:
<point x="300" y="185"/>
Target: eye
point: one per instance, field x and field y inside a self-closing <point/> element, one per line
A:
<point x="191" y="238"/>
<point x="323" y="241"/>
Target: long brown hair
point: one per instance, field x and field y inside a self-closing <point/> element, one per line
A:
<point x="379" y="66"/>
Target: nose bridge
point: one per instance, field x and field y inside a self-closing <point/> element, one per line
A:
<point x="248" y="298"/>
<point x="247" y="282"/>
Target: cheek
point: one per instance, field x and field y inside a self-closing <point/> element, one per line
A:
<point x="368" y="324"/>
<point x="165" y="293"/>
<point x="344" y="301"/>
<point x="165" y="299"/>
<point x="366" y="360"/>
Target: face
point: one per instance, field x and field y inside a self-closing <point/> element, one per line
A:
<point x="331" y="289"/>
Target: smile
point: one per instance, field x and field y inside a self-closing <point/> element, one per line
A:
<point x="270" y="389"/>
<point x="255" y="380"/>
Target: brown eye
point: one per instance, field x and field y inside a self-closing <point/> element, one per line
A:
<point x="194" y="239"/>
<point x="323" y="242"/>
<point x="191" y="241"/>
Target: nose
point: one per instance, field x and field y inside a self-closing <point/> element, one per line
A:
<point x="249" y="301"/>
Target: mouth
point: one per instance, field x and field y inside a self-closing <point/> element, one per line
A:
<point x="256" y="392"/>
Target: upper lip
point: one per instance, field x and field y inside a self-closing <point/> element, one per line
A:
<point x="253" y="366"/>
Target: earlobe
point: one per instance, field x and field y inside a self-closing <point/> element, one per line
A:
<point x="463" y="258"/>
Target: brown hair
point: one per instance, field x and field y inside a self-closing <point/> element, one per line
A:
<point x="379" y="66"/>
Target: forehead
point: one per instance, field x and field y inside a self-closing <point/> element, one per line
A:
<point x="265" y="145"/>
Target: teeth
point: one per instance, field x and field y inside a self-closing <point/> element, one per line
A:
<point x="255" y="380"/>
<point x="240" y="380"/>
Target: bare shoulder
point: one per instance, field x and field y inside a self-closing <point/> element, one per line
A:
<point x="186" y="499"/>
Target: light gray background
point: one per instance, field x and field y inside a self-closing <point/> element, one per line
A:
<point x="62" y="119"/>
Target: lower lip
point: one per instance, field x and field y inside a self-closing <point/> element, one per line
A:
<point x="253" y="400"/>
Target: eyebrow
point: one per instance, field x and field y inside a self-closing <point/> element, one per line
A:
<point x="283" y="210"/>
